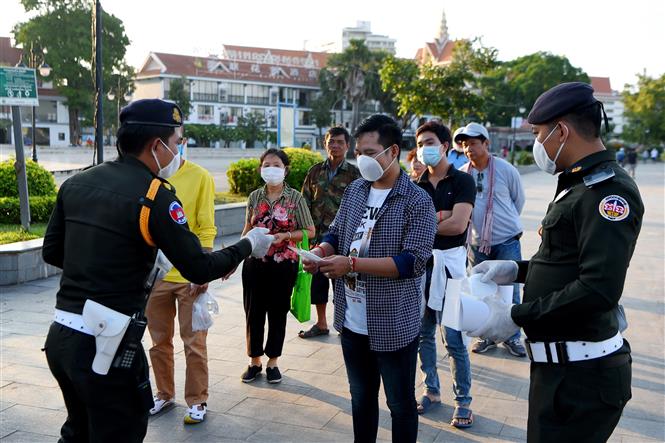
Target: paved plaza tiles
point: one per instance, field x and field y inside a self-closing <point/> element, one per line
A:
<point x="312" y="403"/>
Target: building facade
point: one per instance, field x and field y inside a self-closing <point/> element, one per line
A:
<point x="51" y="116"/>
<point x="612" y="101"/>
<point x="363" y="31"/>
<point x="239" y="81"/>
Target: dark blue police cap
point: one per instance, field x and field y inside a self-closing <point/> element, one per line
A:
<point x="151" y="112"/>
<point x="561" y="100"/>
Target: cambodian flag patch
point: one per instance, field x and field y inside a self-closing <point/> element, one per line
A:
<point x="614" y="208"/>
<point x="177" y="213"/>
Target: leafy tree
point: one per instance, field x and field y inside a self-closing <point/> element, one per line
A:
<point x="251" y="128"/>
<point x="179" y="93"/>
<point x="321" y="113"/>
<point x="645" y="111"/>
<point x="518" y="83"/>
<point x="71" y="57"/>
<point x="448" y="91"/>
<point x="354" y="75"/>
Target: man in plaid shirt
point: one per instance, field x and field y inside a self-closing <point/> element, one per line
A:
<point x="376" y="250"/>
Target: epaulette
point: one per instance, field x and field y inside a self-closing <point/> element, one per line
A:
<point x="598" y="176"/>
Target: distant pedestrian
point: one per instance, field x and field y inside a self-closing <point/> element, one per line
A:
<point x="632" y="161"/>
<point x="645" y="155"/>
<point x="654" y="155"/>
<point x="621" y="157"/>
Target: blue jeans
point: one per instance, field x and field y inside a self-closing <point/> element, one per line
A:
<point x="365" y="369"/>
<point x="458" y="356"/>
<point x="509" y="250"/>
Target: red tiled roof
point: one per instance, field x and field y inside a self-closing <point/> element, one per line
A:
<point x="601" y="85"/>
<point x="9" y="56"/>
<point x="430" y="52"/>
<point x="243" y="63"/>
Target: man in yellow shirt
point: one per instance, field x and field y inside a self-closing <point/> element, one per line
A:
<point x="195" y="188"/>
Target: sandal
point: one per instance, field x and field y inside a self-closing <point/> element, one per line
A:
<point x="196" y="414"/>
<point x="425" y="404"/>
<point x="314" y="331"/>
<point x="462" y="413"/>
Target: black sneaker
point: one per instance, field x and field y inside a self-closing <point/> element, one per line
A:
<point x="273" y="375"/>
<point x="250" y="374"/>
<point x="482" y="345"/>
<point x="515" y="347"/>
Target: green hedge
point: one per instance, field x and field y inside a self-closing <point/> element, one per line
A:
<point x="40" y="209"/>
<point x="244" y="174"/>
<point x="524" y="158"/>
<point x="40" y="181"/>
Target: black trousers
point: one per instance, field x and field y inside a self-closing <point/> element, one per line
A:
<point x="569" y="403"/>
<point x="266" y="290"/>
<point x="100" y="408"/>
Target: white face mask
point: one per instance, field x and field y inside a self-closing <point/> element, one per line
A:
<point x="370" y="168"/>
<point x="272" y="175"/>
<point x="170" y="169"/>
<point x="543" y="160"/>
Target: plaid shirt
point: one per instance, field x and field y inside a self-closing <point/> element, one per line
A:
<point x="406" y="224"/>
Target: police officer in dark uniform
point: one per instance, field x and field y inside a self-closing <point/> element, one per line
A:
<point x="581" y="365"/>
<point x="104" y="233"/>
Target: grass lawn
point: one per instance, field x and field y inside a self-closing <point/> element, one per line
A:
<point x="14" y="233"/>
<point x="228" y="197"/>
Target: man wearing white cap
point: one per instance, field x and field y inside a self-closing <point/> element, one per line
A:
<point x="456" y="155"/>
<point x="495" y="224"/>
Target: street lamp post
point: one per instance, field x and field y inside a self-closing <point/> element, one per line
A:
<point x="119" y="93"/>
<point x="35" y="61"/>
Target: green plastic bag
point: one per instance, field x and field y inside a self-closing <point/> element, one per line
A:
<point x="301" y="297"/>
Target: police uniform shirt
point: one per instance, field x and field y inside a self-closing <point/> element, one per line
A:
<point x="455" y="187"/>
<point x="575" y="280"/>
<point x="94" y="236"/>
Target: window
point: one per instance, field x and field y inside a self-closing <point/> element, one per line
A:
<point x="205" y="112"/>
<point x="257" y="94"/>
<point x="236" y="93"/>
<point x="61" y="136"/>
<point x="304" y="118"/>
<point x="234" y="113"/>
<point x="205" y="91"/>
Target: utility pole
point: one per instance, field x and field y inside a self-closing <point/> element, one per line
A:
<point x="99" y="82"/>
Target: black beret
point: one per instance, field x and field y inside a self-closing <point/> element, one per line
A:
<point x="561" y="100"/>
<point x="151" y="112"/>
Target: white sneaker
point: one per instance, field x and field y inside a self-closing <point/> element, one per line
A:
<point x="196" y="414"/>
<point x="161" y="405"/>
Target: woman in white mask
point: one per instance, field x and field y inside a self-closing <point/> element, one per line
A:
<point x="268" y="282"/>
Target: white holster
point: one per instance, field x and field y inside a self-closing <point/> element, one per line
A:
<point x="108" y="327"/>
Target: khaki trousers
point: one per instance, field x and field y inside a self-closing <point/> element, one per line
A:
<point x="161" y="310"/>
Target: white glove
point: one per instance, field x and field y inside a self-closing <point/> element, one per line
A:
<point x="260" y="241"/>
<point x="501" y="272"/>
<point x="500" y="325"/>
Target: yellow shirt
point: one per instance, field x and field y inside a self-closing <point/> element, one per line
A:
<point x="195" y="188"/>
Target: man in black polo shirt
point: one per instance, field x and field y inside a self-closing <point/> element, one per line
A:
<point x="453" y="194"/>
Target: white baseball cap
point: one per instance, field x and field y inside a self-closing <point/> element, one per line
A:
<point x="471" y="130"/>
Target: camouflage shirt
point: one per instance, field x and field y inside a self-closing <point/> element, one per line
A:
<point x="323" y="196"/>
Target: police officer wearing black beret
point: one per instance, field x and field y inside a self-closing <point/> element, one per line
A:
<point x="104" y="233"/>
<point x="581" y="364"/>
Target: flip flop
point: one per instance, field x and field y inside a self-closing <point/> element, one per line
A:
<point x="462" y="413"/>
<point x="314" y="331"/>
<point x="425" y="404"/>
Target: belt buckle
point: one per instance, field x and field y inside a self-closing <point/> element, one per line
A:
<point x="527" y="344"/>
<point x="561" y="351"/>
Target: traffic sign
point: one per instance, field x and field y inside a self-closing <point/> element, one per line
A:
<point x="18" y="87"/>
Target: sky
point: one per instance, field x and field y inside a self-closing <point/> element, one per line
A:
<point x="610" y="38"/>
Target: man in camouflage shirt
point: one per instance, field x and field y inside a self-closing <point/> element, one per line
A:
<point x="323" y="189"/>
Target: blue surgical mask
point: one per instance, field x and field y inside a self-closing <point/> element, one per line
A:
<point x="431" y="155"/>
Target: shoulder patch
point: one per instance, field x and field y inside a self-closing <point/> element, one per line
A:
<point x="598" y="177"/>
<point x="614" y="208"/>
<point x="177" y="213"/>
